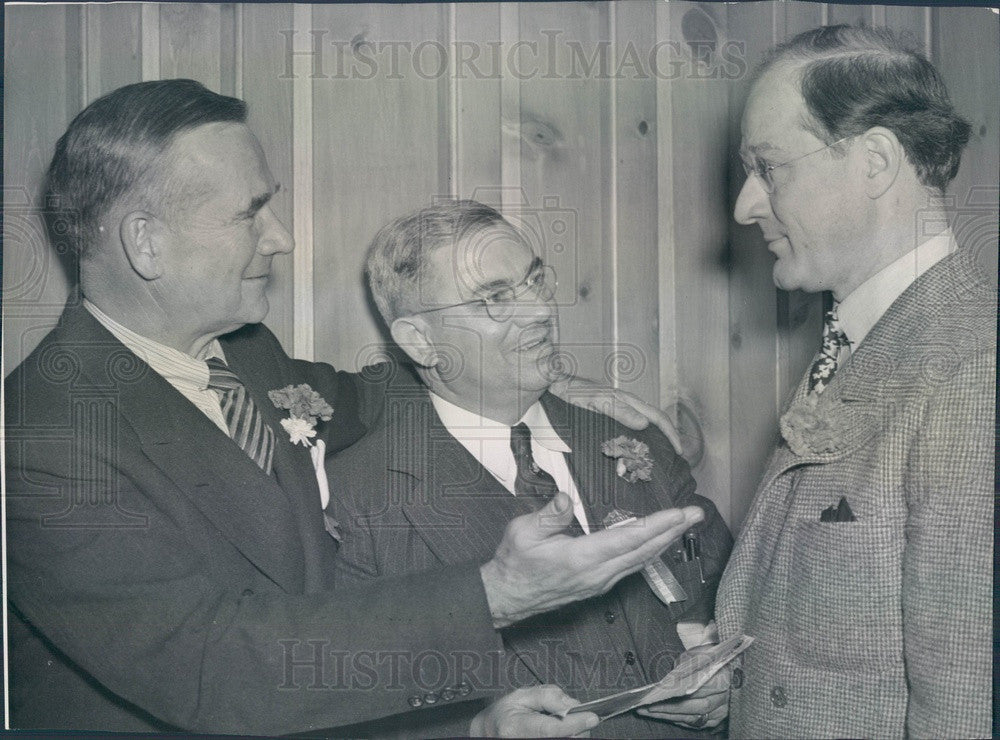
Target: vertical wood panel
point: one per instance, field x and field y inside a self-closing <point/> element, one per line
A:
<point x="477" y="79"/>
<point x="850" y="14"/>
<point x="975" y="92"/>
<point x="376" y="155"/>
<point x="635" y="198"/>
<point x="114" y="54"/>
<point x="42" y="53"/>
<point x="269" y="97"/>
<point x="697" y="152"/>
<point x="190" y="42"/>
<point x="564" y="142"/>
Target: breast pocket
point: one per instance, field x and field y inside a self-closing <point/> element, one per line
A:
<point x="844" y="609"/>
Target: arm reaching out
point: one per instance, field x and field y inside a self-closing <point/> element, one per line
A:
<point x="537" y="567"/>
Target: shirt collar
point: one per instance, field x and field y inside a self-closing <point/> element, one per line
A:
<point x="463" y="424"/>
<point x="861" y="310"/>
<point x="177" y="368"/>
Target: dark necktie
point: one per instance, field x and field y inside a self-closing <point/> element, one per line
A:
<point x="531" y="480"/>
<point x="825" y="366"/>
<point x="245" y="422"/>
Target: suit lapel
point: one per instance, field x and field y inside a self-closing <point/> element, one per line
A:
<point x="862" y="391"/>
<point x="293" y="466"/>
<point x="600" y="489"/>
<point x="456" y="506"/>
<point x="221" y="481"/>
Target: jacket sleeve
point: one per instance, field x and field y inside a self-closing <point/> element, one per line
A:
<point x="947" y="585"/>
<point x="142" y="612"/>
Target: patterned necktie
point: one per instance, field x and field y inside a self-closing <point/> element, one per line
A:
<point x="245" y="422"/>
<point x="531" y="480"/>
<point x="825" y="366"/>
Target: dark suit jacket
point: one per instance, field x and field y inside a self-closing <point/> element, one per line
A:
<point x="157" y="578"/>
<point x="410" y="497"/>
<point x="878" y="627"/>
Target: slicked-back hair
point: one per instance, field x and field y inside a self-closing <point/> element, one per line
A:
<point x="112" y="145"/>
<point x="856" y="77"/>
<point x="398" y="255"/>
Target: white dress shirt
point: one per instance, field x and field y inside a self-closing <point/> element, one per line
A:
<point x="189" y="375"/>
<point x="489" y="442"/>
<point x="862" y="309"/>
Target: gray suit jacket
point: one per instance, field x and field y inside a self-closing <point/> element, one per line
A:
<point x="880" y="627"/>
<point x="411" y="497"/>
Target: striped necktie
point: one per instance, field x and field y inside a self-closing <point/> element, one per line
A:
<point x="825" y="366"/>
<point x="245" y="422"/>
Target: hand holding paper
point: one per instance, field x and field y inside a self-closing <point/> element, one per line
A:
<point x="695" y="692"/>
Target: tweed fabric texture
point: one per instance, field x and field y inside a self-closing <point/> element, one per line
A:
<point x="880" y="627"/>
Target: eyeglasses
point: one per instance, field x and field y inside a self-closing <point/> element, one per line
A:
<point x="764" y="171"/>
<point x="502" y="302"/>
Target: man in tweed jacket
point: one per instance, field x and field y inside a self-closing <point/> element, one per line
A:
<point x="863" y="569"/>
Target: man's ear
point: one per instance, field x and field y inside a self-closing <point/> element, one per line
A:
<point x="883" y="156"/>
<point x="138" y="235"/>
<point x="411" y="335"/>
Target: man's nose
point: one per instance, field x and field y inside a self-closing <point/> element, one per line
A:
<point x="536" y="305"/>
<point x="274" y="237"/>
<point x="753" y="202"/>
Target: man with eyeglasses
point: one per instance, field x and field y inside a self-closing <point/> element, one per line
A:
<point x="449" y="467"/>
<point x="864" y="567"/>
<point x="167" y="566"/>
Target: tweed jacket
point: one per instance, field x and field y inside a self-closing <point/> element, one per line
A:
<point x="158" y="579"/>
<point x="411" y="497"/>
<point x="882" y="626"/>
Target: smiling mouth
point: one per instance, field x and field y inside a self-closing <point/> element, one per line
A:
<point x="532" y="344"/>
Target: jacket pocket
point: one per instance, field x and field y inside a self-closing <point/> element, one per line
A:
<point x="844" y="607"/>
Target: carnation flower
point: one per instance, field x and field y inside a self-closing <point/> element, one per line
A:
<point x="634" y="462"/>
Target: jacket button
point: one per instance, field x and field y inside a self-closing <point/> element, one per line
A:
<point x="463" y="688"/>
<point x="778" y="697"/>
<point x="430" y="698"/>
<point x="610" y="617"/>
<point x="629" y="658"/>
<point x="447" y="694"/>
<point x="737" y="680"/>
<point x="415" y="701"/>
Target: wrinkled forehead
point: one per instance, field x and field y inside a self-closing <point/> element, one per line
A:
<point x="480" y="259"/>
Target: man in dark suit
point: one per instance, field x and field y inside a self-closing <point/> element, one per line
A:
<point x="864" y="567"/>
<point x="439" y="477"/>
<point x="167" y="564"/>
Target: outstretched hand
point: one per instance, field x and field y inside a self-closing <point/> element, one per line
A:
<point x="538" y="567"/>
<point x="531" y="712"/>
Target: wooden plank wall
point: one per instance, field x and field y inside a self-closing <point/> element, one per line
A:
<point x="625" y="175"/>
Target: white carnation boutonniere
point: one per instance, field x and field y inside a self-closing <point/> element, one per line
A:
<point x="305" y="407"/>
<point x="634" y="462"/>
